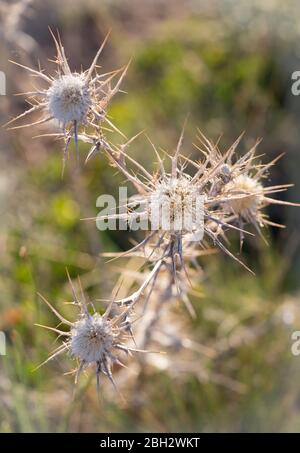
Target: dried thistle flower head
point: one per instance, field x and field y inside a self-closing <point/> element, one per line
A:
<point x="69" y="99"/>
<point x="246" y="195"/>
<point x="178" y="208"/>
<point x="177" y="199"/>
<point x="251" y="191"/>
<point x="93" y="339"/>
<point x="239" y="187"/>
<point x="232" y="194"/>
<point x="72" y="99"/>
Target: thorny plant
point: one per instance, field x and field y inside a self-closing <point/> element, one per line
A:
<point x="93" y="338"/>
<point x="74" y="100"/>
<point x="231" y="187"/>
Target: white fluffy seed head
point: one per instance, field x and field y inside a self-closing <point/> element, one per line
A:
<point x="251" y="192"/>
<point x="69" y="99"/>
<point x="92" y="339"/>
<point x="176" y="199"/>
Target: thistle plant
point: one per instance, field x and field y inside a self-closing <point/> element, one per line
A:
<point x="94" y="338"/>
<point x="240" y="186"/>
<point x="73" y="100"/>
<point x="233" y="198"/>
<point x="187" y="207"/>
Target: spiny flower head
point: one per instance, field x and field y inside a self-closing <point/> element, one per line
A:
<point x="71" y="99"/>
<point x="239" y="188"/>
<point x="93" y="339"/>
<point x="175" y="200"/>
<point x="231" y="192"/>
<point x="178" y="208"/>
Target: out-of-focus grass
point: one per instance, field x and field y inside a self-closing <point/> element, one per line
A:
<point x="185" y="62"/>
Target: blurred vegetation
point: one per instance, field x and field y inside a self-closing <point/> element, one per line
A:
<point x="228" y="65"/>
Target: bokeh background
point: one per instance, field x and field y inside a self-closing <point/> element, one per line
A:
<point x="228" y="65"/>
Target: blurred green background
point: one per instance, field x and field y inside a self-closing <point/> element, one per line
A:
<point x="227" y="64"/>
